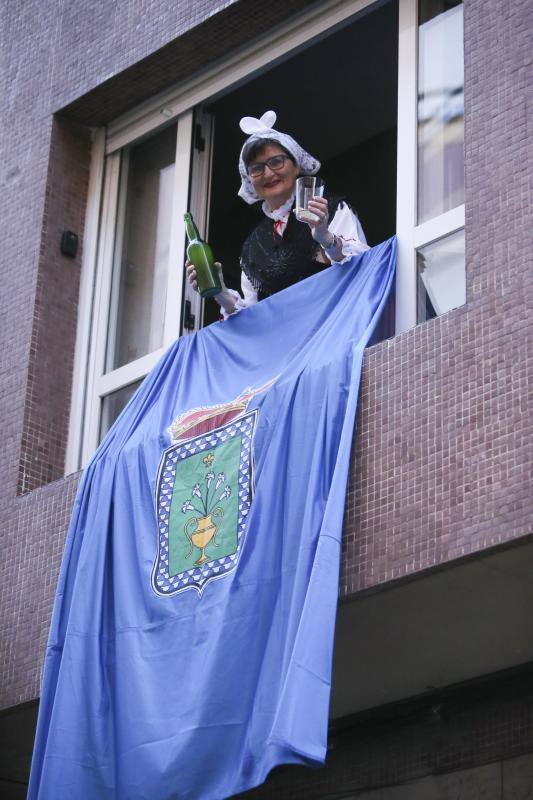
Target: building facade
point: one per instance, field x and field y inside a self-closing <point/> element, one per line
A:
<point x="120" y="116"/>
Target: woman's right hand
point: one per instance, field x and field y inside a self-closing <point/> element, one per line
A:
<point x="225" y="299"/>
<point x="191" y="275"/>
<point x="193" y="278"/>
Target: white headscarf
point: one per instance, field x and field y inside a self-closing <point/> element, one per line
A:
<point x="262" y="128"/>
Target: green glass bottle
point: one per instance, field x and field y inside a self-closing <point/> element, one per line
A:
<point x="200" y="254"/>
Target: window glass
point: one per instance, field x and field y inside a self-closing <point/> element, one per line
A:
<point x="142" y="250"/>
<point x="113" y="404"/>
<point x="440" y="107"/>
<point x="441" y="276"/>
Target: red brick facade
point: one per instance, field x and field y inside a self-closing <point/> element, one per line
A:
<point x="444" y="441"/>
<point x="48" y="388"/>
<point x="441" y="454"/>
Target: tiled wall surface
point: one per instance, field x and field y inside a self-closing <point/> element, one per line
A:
<point x="31" y="554"/>
<point x="55" y="310"/>
<point x="441" y="463"/>
<point x="441" y="452"/>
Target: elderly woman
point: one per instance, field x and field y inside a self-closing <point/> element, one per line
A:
<point x="281" y="251"/>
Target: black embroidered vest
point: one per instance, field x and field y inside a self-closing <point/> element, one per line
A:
<point x="272" y="262"/>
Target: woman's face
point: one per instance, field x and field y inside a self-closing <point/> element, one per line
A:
<point x="275" y="187"/>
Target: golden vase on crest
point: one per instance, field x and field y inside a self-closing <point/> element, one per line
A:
<point x="200" y="531"/>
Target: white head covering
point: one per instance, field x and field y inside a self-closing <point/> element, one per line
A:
<point x="262" y="128"/>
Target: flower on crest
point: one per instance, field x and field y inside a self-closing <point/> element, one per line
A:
<point x="208" y="459"/>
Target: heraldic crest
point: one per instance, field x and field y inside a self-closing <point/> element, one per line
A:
<point x="203" y="494"/>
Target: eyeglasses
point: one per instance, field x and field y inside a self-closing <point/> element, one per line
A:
<point x="275" y="163"/>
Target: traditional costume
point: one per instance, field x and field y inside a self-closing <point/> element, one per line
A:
<point x="281" y="251"/>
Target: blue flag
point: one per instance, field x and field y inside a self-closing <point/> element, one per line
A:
<point x="191" y="640"/>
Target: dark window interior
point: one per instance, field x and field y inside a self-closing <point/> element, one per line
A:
<point x="338" y="98"/>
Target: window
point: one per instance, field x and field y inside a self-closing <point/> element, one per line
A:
<point x="430" y="221"/>
<point x="136" y="309"/>
<point x="441" y="276"/>
<point x="133" y="328"/>
<point x="440" y="108"/>
<point x="113" y="404"/>
<point x="140" y="264"/>
<point x="156" y="162"/>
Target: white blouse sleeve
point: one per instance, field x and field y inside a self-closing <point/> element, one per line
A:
<point x="249" y="299"/>
<point x="347" y="227"/>
<point x="250" y="294"/>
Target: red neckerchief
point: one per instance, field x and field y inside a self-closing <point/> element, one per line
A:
<point x="278" y="227"/>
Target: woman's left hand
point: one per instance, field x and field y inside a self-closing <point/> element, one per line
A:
<point x="319" y="229"/>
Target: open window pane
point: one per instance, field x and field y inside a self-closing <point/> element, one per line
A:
<point x="142" y="250"/>
<point x="113" y="404"/>
<point x="358" y="62"/>
<point x="440" y="107"/>
<point x="441" y="276"/>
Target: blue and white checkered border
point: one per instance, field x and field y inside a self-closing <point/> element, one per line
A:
<point x="197" y="578"/>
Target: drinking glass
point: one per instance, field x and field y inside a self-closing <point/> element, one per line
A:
<point x="307" y="187"/>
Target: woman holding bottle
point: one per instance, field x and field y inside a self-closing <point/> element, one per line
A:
<point x="281" y="251"/>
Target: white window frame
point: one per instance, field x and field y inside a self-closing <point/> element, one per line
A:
<point x="412" y="235"/>
<point x="199" y="201"/>
<point x="91" y="383"/>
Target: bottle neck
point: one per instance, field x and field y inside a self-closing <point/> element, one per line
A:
<point x="191" y="229"/>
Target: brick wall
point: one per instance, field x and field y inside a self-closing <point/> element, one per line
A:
<point x="441" y="463"/>
<point x="55" y="310"/>
<point x="441" y="452"/>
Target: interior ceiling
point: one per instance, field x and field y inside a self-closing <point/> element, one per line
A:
<point x="465" y="622"/>
<point x="347" y="80"/>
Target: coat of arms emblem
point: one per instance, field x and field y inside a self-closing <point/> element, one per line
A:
<point x="203" y="494"/>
